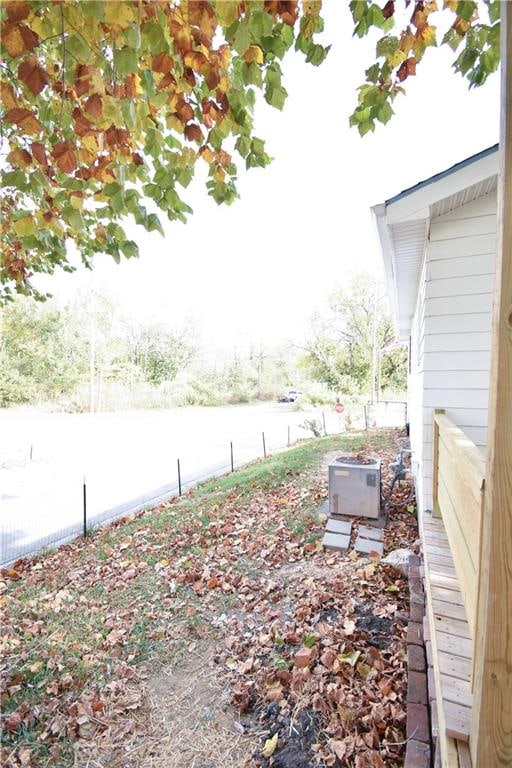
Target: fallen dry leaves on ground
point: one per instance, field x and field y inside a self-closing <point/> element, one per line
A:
<point x="306" y="647"/>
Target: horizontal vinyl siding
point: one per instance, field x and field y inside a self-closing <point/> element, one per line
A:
<point x="477" y="322"/>
<point x="463" y="417"/>
<point x="452" y="287"/>
<point x="451" y="380"/>
<point x="463" y="228"/>
<point x="458" y="361"/>
<point x="456" y="398"/>
<point x="454" y="336"/>
<point x="458" y="342"/>
<point x="464" y="246"/>
<point x="460" y="305"/>
<point x="465" y="266"/>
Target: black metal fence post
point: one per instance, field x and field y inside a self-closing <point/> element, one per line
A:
<point x="264" y="445"/>
<point x="85" y="507"/>
<point x="179" y="478"/>
<point x="232" y="462"/>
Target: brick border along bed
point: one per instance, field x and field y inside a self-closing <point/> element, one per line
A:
<point x="419" y="743"/>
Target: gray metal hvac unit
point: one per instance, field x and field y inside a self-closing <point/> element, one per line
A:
<point x="354" y="487"/>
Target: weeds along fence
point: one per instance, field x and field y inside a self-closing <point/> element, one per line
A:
<point x="61" y="489"/>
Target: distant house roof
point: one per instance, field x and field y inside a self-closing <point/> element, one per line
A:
<point x="403" y="224"/>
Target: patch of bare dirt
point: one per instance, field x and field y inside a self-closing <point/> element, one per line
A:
<point x="189" y="706"/>
<point x="186" y="721"/>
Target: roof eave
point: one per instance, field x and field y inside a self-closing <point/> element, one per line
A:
<point x="412" y="210"/>
<point x="388" y="256"/>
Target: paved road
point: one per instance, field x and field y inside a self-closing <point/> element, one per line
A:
<point x="128" y="458"/>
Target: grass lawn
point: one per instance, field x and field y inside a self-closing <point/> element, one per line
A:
<point x="171" y="638"/>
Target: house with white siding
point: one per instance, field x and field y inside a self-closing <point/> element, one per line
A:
<point x="438" y="242"/>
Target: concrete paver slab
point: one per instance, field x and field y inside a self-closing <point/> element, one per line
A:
<point x="365" y="546"/>
<point x="367" y="532"/>
<point x="339" y="526"/>
<point x="337" y="541"/>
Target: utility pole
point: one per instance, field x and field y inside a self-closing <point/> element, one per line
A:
<point x="374" y="343"/>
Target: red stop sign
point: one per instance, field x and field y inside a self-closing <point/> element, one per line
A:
<point x="339" y="407"/>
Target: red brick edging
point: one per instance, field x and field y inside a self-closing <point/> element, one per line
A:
<point x="419" y="744"/>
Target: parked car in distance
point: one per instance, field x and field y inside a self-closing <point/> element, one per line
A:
<point x="291" y="396"/>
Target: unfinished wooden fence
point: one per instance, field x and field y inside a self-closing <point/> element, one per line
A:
<point x="452" y="539"/>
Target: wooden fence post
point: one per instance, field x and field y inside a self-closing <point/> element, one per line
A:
<point x="436" y="512"/>
<point x="491" y="728"/>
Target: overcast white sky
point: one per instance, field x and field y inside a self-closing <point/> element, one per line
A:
<point x="257" y="269"/>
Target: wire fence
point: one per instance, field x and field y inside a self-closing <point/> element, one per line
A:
<point x="73" y="472"/>
<point x="72" y="480"/>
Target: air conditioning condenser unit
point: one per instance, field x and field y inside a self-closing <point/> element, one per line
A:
<point x="354" y="487"/>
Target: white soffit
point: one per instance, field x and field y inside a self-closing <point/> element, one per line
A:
<point x="403" y="226"/>
<point x="409" y="246"/>
<point x="483" y="188"/>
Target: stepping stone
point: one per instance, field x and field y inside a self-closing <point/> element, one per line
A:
<point x="339" y="541"/>
<point x="339" y="526"/>
<point x="365" y="546"/>
<point x="366" y="532"/>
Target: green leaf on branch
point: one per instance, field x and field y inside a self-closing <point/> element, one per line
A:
<point x="153" y="224"/>
<point x="129" y="249"/>
<point x="242" y="39"/>
<point x="125" y="61"/>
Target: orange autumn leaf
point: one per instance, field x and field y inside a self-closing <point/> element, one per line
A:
<point x="132" y="86"/>
<point x="388" y="9"/>
<point x="162" y="63"/>
<point x="18" y="39"/>
<point x="64" y="155"/>
<point x="19" y="157"/>
<point x="39" y="153"/>
<point x="254" y="54"/>
<point x="94" y="105"/>
<point x="17" y="10"/>
<point x="24" y="119"/>
<point x="83" y="79"/>
<point x="33" y="75"/>
<point x="461" y="26"/>
<point x="193" y="132"/>
<point x="82" y="124"/>
<point x="8" y="96"/>
<point x="406" y="69"/>
<point x="184" y="112"/>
